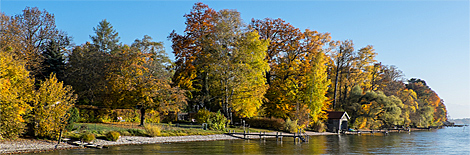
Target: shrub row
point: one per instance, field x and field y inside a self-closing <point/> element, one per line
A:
<point x="266" y="123"/>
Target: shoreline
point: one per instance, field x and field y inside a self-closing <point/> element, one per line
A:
<point x="35" y="146"/>
<point x="31" y="146"/>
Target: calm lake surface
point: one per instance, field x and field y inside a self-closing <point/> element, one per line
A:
<point x="452" y="140"/>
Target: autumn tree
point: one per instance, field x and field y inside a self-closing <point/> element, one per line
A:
<point x="51" y="102"/>
<point x="410" y="106"/>
<point x="189" y="49"/>
<point x="140" y="78"/>
<point x="351" y="68"/>
<point x="373" y="109"/>
<point x="8" y="39"/>
<point x="282" y="37"/>
<point x="391" y="81"/>
<point x="220" y="61"/>
<point x="431" y="109"/>
<point x="236" y="78"/>
<point x="297" y="76"/>
<point x="28" y="35"/>
<point x="16" y="91"/>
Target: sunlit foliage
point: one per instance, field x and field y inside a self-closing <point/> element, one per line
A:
<point x="52" y="101"/>
<point x="16" y="91"/>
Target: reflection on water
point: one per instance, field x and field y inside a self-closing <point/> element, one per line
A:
<point x="442" y="141"/>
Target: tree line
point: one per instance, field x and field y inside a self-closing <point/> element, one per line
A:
<point x="264" y="68"/>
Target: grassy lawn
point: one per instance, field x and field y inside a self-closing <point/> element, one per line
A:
<point x="133" y="129"/>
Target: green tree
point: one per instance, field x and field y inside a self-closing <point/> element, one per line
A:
<point x="54" y="57"/>
<point x="86" y="73"/>
<point x="373" y="109"/>
<point x="106" y="38"/>
<point x="89" y="65"/>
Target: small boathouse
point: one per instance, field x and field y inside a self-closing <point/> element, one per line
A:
<point x="337" y="121"/>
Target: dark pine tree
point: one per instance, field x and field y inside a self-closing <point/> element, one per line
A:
<point x="54" y="58"/>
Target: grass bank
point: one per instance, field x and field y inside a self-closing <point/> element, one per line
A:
<point x="133" y="129"/>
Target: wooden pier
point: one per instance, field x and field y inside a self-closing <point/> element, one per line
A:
<point x="262" y="135"/>
<point x="360" y="132"/>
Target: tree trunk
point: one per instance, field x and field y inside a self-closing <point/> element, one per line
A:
<point x="336" y="86"/>
<point x="142" y="116"/>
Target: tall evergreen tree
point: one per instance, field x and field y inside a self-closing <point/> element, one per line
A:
<point x="106" y="38"/>
<point x="54" y="57"/>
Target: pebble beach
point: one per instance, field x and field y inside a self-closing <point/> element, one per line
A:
<point x="32" y="145"/>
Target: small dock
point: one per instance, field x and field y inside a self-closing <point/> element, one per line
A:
<point x="361" y="132"/>
<point x="298" y="137"/>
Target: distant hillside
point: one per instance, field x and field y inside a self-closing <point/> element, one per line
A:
<point x="461" y="121"/>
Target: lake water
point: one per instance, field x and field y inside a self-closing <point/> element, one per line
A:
<point x="452" y="140"/>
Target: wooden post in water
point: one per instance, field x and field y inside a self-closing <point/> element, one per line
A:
<point x="264" y="138"/>
<point x="281" y="136"/>
<point x="299" y="135"/>
<point x="277" y="136"/>
<point x="294" y="137"/>
<point x="244" y="134"/>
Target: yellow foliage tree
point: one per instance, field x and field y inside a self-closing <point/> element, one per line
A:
<point x="52" y="101"/>
<point x="252" y="87"/>
<point x="410" y="105"/>
<point x="15" y="93"/>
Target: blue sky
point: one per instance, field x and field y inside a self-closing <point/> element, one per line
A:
<point x="425" y="39"/>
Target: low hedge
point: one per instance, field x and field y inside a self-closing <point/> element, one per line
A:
<point x="88" y="137"/>
<point x="266" y="123"/>
<point x="113" y="135"/>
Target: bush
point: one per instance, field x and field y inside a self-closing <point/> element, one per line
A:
<point x="203" y="116"/>
<point x="290" y="126"/>
<point x="215" y="121"/>
<point x="88" y="137"/>
<point x="153" y="130"/>
<point x="266" y="123"/>
<point x="74" y="117"/>
<point x="113" y="135"/>
<point x="136" y="132"/>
